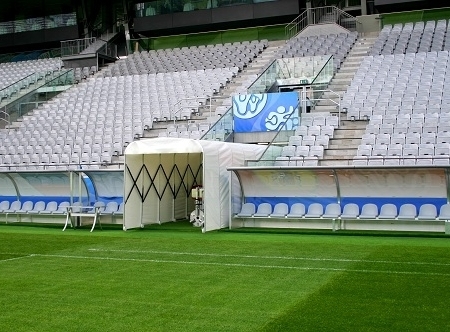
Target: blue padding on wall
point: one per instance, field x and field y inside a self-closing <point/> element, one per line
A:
<point x="8" y="198"/>
<point x="106" y="199"/>
<point x="46" y="199"/>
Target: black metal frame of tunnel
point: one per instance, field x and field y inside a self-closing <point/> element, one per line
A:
<point x="174" y="191"/>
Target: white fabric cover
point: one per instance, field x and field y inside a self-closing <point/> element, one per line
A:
<point x="215" y="156"/>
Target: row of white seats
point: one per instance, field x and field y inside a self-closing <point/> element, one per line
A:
<point x="84" y="158"/>
<point x="366" y="111"/>
<point x="76" y="148"/>
<point x="172" y="60"/>
<point x="314" y="130"/>
<point x="408" y="149"/>
<point x="309" y="141"/>
<point x="309" y="160"/>
<point x="403" y="128"/>
<point x="18" y="145"/>
<point x="195" y="134"/>
<point x="401" y="138"/>
<point x="370" y="211"/>
<point x="319" y="119"/>
<point x="303" y="151"/>
<point x="407" y="118"/>
<point x="396" y="160"/>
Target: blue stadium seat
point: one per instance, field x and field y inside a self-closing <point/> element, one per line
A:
<point x="388" y="211"/>
<point x="297" y="211"/>
<point x="427" y="212"/>
<point x="369" y="211"/>
<point x="280" y="210"/>
<point x="407" y="211"/>
<point x="350" y="211"/>
<point x="247" y="210"/>
<point x="263" y="210"/>
<point x="332" y="211"/>
<point x="315" y="210"/>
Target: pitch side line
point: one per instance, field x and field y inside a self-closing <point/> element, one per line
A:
<point x="243" y="265"/>
<point x="270" y="257"/>
<point x="14" y="258"/>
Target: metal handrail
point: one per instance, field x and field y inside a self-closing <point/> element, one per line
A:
<point x="60" y="74"/>
<point x="320" y="15"/>
<point x="7" y="118"/>
<point x="107" y="49"/>
<point x="337" y="103"/>
<point x="322" y="69"/>
<point x="318" y="75"/>
<point x="176" y="110"/>
<point x="80" y="46"/>
<point x="213" y="128"/>
<point x="296" y="25"/>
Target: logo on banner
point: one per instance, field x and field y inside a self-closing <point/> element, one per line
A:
<point x="265" y="112"/>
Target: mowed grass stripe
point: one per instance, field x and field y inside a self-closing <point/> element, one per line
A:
<point x="374" y="302"/>
<point x="367" y="302"/>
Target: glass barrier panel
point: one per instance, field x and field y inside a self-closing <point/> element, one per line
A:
<point x="55" y="83"/>
<point x="294" y="71"/>
<point x="266" y="79"/>
<point x="321" y="81"/>
<point x="222" y="129"/>
<point x="15" y="87"/>
<point x="300" y="70"/>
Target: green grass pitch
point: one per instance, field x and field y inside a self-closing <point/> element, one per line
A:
<point x="174" y="278"/>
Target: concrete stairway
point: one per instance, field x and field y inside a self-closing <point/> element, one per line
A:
<point x="347" y="137"/>
<point x="247" y="76"/>
<point x="343" y="77"/>
<point x="259" y="64"/>
<point x="343" y="145"/>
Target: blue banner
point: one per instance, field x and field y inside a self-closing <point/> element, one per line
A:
<point x="265" y="112"/>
